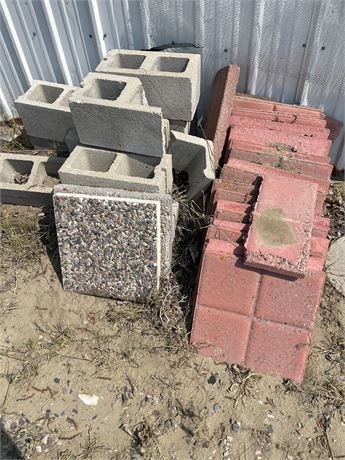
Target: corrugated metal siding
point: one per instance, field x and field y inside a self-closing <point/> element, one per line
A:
<point x="289" y="50"/>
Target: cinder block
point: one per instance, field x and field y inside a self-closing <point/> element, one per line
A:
<point x="180" y="126"/>
<point x="195" y="156"/>
<point x="170" y="80"/>
<point x="112" y="243"/>
<point x="290" y="301"/>
<point x="105" y="168"/>
<point x="111" y="111"/>
<point x="220" y="108"/>
<point x="28" y="180"/>
<point x="279" y="235"/>
<point x="278" y="349"/>
<point x="221" y="335"/>
<point x="45" y="111"/>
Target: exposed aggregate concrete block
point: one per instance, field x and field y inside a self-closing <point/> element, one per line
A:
<point x="44" y="110"/>
<point x="170" y="80"/>
<point x="111" y="111"/>
<point x="28" y="180"/>
<point x="112" y="243"/>
<point x="105" y="168"/>
<point x="195" y="156"/>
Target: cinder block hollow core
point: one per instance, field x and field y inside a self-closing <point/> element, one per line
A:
<point x="170" y="64"/>
<point x="104" y="89"/>
<point x="132" y="165"/>
<point x="127" y="61"/>
<point x="12" y="168"/>
<point x="45" y="93"/>
<point x="92" y="160"/>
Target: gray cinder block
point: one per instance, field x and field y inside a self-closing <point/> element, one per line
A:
<point x="195" y="156"/>
<point x="44" y="109"/>
<point x="112" y="112"/>
<point x="28" y="180"/>
<point x="179" y="125"/>
<point x="112" y="243"/>
<point x="105" y="168"/>
<point x="170" y="80"/>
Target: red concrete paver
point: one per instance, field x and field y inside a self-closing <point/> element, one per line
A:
<point x="226" y="284"/>
<point x="270" y="138"/>
<point x="220" y="335"/>
<point x="280" y="117"/>
<point x="335" y="127"/>
<point x="278" y="349"/>
<point x="217" y="123"/>
<point x="229" y="210"/>
<point x="227" y="230"/>
<point x="279" y="235"/>
<point x="290" y="301"/>
<point x="318" y="246"/>
<point x="321" y="226"/>
<point x="291" y="128"/>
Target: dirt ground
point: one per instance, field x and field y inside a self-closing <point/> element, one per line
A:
<point x="156" y="398"/>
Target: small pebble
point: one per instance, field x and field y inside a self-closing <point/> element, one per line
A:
<point x="212" y="380"/>
<point x="235" y="427"/>
<point x="269" y="429"/>
<point x="216" y="407"/>
<point x="56" y="380"/>
<point x="75" y="411"/>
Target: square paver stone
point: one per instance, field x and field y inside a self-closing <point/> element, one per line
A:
<point x="112" y="243"/>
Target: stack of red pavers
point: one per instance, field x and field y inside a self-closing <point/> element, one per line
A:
<point x="261" y="273"/>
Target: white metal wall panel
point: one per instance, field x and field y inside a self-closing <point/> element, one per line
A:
<point x="289" y="50"/>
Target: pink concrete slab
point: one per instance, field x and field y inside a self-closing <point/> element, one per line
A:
<point x="292" y="128"/>
<point x="279" y="235"/>
<point x="271" y="138"/>
<point x="278" y="349"/>
<point x="280" y="117"/>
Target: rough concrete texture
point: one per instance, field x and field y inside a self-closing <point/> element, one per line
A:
<point x="105" y="168"/>
<point x="111" y="111"/>
<point x="28" y="180"/>
<point x="112" y="243"/>
<point x="279" y="235"/>
<point x="170" y="80"/>
<point x="217" y="122"/>
<point x="180" y="126"/>
<point x="195" y="156"/>
<point x="335" y="266"/>
<point x="45" y="111"/>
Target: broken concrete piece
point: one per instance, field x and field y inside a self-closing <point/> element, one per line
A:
<point x="195" y="156"/>
<point x="44" y="110"/>
<point x="112" y="243"/>
<point x="335" y="267"/>
<point x="28" y="180"/>
<point x="111" y="111"/>
<point x="279" y="235"/>
<point x="170" y="80"/>
<point x="105" y="168"/>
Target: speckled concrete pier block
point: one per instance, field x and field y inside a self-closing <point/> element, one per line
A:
<point x="112" y="243"/>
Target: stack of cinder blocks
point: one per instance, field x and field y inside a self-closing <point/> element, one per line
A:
<point x="114" y="209"/>
<point x="261" y="274"/>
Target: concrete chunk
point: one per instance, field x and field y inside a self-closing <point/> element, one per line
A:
<point x="28" y="180"/>
<point x="195" y="156"/>
<point x="44" y="109"/>
<point x="111" y="111"/>
<point x="170" y="80"/>
<point x="112" y="243"/>
<point x="105" y="168"/>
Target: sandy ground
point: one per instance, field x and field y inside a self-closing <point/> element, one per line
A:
<point x="156" y="397"/>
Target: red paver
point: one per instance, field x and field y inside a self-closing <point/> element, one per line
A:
<point x="335" y="127"/>
<point x="279" y="149"/>
<point x="279" y="160"/>
<point x="226" y="284"/>
<point x="321" y="226"/>
<point x="290" y="301"/>
<point x="278" y="349"/>
<point x="217" y="124"/>
<point x="227" y="230"/>
<point x="270" y="138"/>
<point x="280" y="117"/>
<point x="279" y="236"/>
<point x="220" y="335"/>
<point x="229" y="210"/>
<point x="228" y="195"/>
<point x="318" y="246"/>
<point x="239" y="187"/>
<point x="291" y="128"/>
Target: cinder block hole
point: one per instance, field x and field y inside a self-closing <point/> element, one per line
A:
<point x="170" y="64"/>
<point x="127" y="61"/>
<point x="93" y="160"/>
<point x="44" y="93"/>
<point x="105" y="89"/>
<point x="137" y="166"/>
<point x="16" y="171"/>
<point x="48" y="174"/>
<point x="64" y="101"/>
